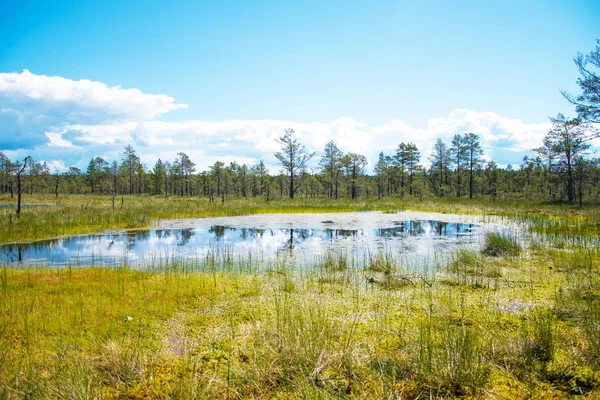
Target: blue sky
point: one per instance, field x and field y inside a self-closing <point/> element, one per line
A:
<point x="233" y="74"/>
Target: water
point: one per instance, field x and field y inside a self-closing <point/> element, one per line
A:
<point x="414" y="236"/>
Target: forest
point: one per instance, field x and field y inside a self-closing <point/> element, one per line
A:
<point x="562" y="169"/>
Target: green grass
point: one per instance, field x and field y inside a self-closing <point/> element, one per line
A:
<point x="497" y="244"/>
<point x="508" y="324"/>
<point x="223" y="328"/>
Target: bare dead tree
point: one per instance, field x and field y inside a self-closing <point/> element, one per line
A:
<point x="19" y="172"/>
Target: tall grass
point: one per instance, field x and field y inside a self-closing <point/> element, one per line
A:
<point x="468" y="267"/>
<point x="538" y="337"/>
<point x="210" y="328"/>
<point x="498" y="244"/>
<point x="450" y="360"/>
<point x="339" y="326"/>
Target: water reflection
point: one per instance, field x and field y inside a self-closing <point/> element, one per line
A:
<point x="429" y="228"/>
<point x="140" y="246"/>
<point x="183" y="236"/>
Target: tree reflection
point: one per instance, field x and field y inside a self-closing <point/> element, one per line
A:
<point x="163" y="233"/>
<point x="184" y="235"/>
<point x="295" y="237"/>
<point x="331" y="234"/>
<point x="218" y="231"/>
<point x="130" y="241"/>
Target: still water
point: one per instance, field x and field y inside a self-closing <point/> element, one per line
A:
<point x="299" y="236"/>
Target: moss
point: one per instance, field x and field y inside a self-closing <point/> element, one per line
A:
<point x="324" y="334"/>
<point x="502" y="385"/>
<point x="572" y="378"/>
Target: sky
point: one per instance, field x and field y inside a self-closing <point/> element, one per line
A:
<point x="221" y="80"/>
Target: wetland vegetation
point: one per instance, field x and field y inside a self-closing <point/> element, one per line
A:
<point x="517" y="319"/>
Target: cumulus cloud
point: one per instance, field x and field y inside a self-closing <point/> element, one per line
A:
<point x="492" y="128"/>
<point x="247" y="141"/>
<point x="84" y="98"/>
<point x="503" y="139"/>
<point x="31" y="105"/>
<point x="54" y="118"/>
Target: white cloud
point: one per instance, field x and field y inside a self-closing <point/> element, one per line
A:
<point x="246" y="141"/>
<point x="57" y="165"/>
<point x="493" y="129"/>
<point x="56" y="140"/>
<point x="31" y="105"/>
<point x="86" y="96"/>
<point x="55" y="118"/>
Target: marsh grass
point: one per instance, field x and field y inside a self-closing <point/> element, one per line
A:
<point x="578" y="299"/>
<point x="498" y="244"/>
<point x="468" y="267"/>
<point x="583" y="259"/>
<point x="591" y="327"/>
<point x="240" y="326"/>
<point x="450" y="360"/>
<point x="382" y="262"/>
<point x="334" y="261"/>
<point x="198" y="331"/>
<point x="538" y="337"/>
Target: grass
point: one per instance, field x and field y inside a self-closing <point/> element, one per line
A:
<point x="538" y="338"/>
<point x="223" y="328"/>
<point x="498" y="244"/>
<point x="334" y="262"/>
<point x="511" y="322"/>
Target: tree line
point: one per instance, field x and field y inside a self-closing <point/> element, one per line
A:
<point x="561" y="169"/>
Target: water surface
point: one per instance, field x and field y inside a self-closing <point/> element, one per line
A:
<point x="415" y="236"/>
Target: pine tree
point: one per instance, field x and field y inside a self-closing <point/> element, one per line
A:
<point x="569" y="138"/>
<point x="459" y="158"/>
<point x="330" y="165"/>
<point x="293" y="157"/>
<point x="441" y="161"/>
<point x="473" y="154"/>
<point x="130" y="161"/>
